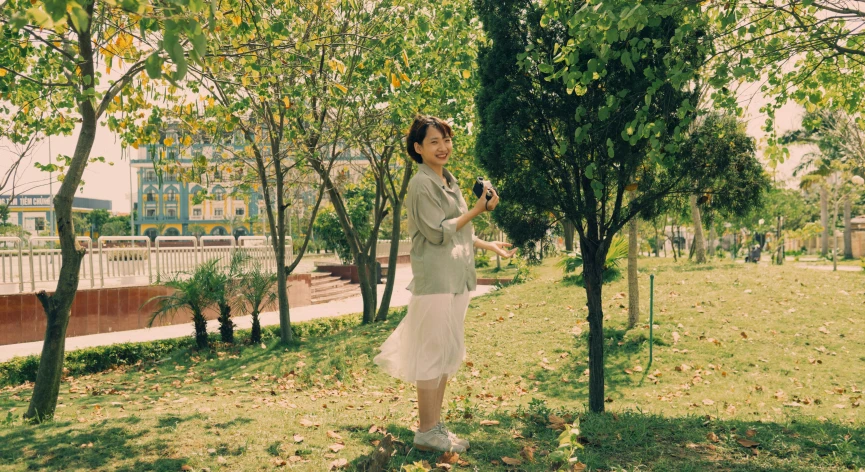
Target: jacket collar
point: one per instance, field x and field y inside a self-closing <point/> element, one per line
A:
<point x="432" y="174"/>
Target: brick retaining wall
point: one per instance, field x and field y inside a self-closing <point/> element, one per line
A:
<point x="107" y="310"/>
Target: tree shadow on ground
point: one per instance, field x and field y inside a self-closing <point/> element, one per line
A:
<point x="53" y="446"/>
<point x="637" y="441"/>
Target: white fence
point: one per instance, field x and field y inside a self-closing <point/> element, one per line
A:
<point x="34" y="264"/>
<point x="383" y="247"/>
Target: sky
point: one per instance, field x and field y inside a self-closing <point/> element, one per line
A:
<point x="110" y="180"/>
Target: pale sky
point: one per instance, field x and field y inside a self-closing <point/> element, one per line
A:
<point x="111" y="182"/>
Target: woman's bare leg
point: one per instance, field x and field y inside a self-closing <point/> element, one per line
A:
<point x="443" y="383"/>
<point x="429" y="397"/>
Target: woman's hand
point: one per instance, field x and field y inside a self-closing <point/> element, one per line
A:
<point x="499" y="248"/>
<point x="483" y="204"/>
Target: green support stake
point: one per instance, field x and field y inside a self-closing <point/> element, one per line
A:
<point x="651" y="317"/>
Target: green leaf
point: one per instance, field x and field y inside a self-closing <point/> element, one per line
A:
<point x="39" y="17"/>
<point x="79" y="16"/>
<point x="153" y="65"/>
<point x="590" y="171"/>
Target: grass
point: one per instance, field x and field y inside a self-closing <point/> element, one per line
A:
<point x="766" y="353"/>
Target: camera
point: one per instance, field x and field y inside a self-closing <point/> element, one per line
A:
<point x="478" y="189"/>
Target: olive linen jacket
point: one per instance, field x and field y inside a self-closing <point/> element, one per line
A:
<point x="442" y="258"/>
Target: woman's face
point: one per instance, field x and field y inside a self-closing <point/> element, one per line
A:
<point x="436" y="148"/>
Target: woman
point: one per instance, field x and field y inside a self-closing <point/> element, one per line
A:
<point x="428" y="346"/>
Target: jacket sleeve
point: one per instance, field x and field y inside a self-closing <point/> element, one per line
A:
<point x="429" y="216"/>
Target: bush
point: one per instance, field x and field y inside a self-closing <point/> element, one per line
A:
<point x="482" y="260"/>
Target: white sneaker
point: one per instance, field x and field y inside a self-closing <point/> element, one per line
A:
<point x="454" y="438"/>
<point x="437" y="440"/>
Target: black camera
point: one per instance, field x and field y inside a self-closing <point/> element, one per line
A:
<point x="478" y="189"/>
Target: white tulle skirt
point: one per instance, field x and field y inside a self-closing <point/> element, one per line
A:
<point x="430" y="341"/>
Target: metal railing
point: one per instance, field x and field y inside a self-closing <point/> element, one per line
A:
<point x="45" y="260"/>
<point x="34" y="264"/>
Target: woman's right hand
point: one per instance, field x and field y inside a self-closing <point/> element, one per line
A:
<point x="483" y="204"/>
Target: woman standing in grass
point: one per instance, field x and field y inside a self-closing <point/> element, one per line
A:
<point x="428" y="346"/>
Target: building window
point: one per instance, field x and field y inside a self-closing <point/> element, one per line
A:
<point x="171" y="195"/>
<point x="172" y="213"/>
<point x="150" y="176"/>
<point x="34" y="224"/>
<point x="150" y="197"/>
<point x="196" y="212"/>
<point x="219" y="195"/>
<point x="217" y="212"/>
<point x="239" y="211"/>
<point x="217" y="175"/>
<point x="150" y="212"/>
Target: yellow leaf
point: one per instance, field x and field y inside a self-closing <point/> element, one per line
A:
<point x="168" y="141"/>
<point x="341" y="88"/>
<point x="2" y="72"/>
<point x="466" y="74"/>
<point x="404" y="78"/>
<point x="236" y="20"/>
<point x="187" y="140"/>
<point x="286" y="102"/>
<point x="394" y="80"/>
<point x="210" y="101"/>
<point x="136" y="144"/>
<point x="405" y="58"/>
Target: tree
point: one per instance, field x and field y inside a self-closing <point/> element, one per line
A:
<point x="579" y="103"/>
<point x="633" y="283"/>
<point x="115" y="228"/>
<point x="50" y="84"/>
<point x="359" y="199"/>
<point x="809" y="52"/>
<point x="97" y="218"/>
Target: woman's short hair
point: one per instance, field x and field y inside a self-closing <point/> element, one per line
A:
<point x="418" y="130"/>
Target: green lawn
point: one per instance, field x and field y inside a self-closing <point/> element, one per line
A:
<point x="774" y="355"/>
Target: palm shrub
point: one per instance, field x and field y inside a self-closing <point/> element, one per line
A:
<point x="612" y="265"/>
<point x="191" y="291"/>
<point x="258" y="291"/>
<point x="224" y="286"/>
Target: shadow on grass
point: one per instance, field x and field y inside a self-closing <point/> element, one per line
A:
<point x="52" y="446"/>
<point x="636" y="441"/>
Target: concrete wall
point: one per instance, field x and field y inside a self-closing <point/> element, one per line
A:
<point x="107" y="310"/>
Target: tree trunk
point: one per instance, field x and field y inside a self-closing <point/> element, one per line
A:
<point x="713" y="236"/>
<point x="392" y="257"/>
<point x="366" y="271"/>
<point x="58" y="305"/>
<point x="699" y="243"/>
<point x="824" y="220"/>
<point x="200" y="324"/>
<point x="255" y="335"/>
<point x="226" y="325"/>
<point x="569" y="229"/>
<point x="593" y="274"/>
<point x="633" y="284"/>
<point x="657" y="241"/>
<point x="848" y="229"/>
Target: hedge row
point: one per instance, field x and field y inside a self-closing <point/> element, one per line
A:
<point x="101" y="358"/>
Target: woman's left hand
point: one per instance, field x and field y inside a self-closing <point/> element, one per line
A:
<point x="499" y="248"/>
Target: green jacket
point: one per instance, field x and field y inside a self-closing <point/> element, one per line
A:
<point x="442" y="258"/>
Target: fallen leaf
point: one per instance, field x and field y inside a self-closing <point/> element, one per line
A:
<point x="528" y="453"/>
<point x="712" y="437"/>
<point x="750" y="433"/>
<point x="511" y="461"/>
<point x="708" y="402"/>
<point x="338" y="464"/>
<point x="305" y="422"/>
<point x="448" y="458"/>
<point x="186" y="467"/>
<point x="578" y="467"/>
<point x="747" y="442"/>
<point x="489" y="423"/>
<point x="298" y="438"/>
<point x="333" y="435"/>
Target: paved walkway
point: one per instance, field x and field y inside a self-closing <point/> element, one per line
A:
<point x="342" y="307"/>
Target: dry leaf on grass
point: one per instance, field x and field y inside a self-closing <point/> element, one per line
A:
<point x="511" y="461"/>
<point x="298" y="438"/>
<point x="333" y="435"/>
<point x="336" y="447"/>
<point x="307" y="423"/>
<point x="448" y="458"/>
<point x="747" y="443"/>
<point x="528" y="453"/>
<point x="338" y="464"/>
<point x="712" y="437"/>
<point x="489" y="423"/>
<point x="750" y="433"/>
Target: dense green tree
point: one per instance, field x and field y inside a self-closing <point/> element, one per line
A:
<point x="579" y="105"/>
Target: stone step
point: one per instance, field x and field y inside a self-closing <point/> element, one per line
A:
<point x="348" y="292"/>
<point x="325" y="281"/>
<point x="334" y="290"/>
<point x="338" y="283"/>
